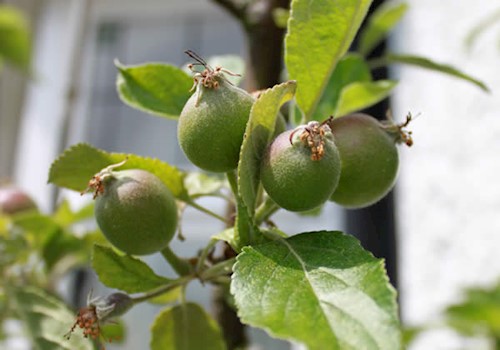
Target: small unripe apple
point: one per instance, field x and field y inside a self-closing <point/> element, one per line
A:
<point x="369" y="160"/>
<point x="14" y="200"/>
<point x="301" y="167"/>
<point x="213" y="122"/>
<point x="135" y="211"/>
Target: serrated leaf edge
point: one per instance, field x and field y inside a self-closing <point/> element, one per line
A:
<point x="134" y="104"/>
<point x="380" y="266"/>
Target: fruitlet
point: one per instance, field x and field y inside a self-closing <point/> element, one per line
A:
<point x="301" y="168"/>
<point x="369" y="160"/>
<point x="14" y="200"/>
<point x="212" y="124"/>
<point x="135" y="211"/>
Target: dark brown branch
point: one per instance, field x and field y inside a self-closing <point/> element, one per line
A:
<point x="234" y="8"/>
<point x="265" y="44"/>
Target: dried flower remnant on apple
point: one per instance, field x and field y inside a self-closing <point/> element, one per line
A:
<point x="313" y="135"/>
<point x="208" y="77"/>
<point x="301" y="167"/>
<point x="212" y="123"/>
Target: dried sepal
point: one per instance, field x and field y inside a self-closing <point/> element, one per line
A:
<point x="207" y="77"/>
<point x="399" y="130"/>
<point x="312" y="135"/>
<point x="98" y="311"/>
<point x="96" y="183"/>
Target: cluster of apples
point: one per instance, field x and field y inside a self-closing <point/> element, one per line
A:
<point x="351" y="160"/>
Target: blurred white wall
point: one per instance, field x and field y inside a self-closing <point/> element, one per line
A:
<point x="449" y="186"/>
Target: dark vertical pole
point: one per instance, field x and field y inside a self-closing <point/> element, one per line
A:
<point x="375" y="226"/>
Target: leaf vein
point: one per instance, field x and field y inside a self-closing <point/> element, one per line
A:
<point x="322" y="302"/>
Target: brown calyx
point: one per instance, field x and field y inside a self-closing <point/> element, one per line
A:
<point x="399" y="131"/>
<point x="96" y="184"/>
<point x="313" y="136"/>
<point x="88" y="321"/>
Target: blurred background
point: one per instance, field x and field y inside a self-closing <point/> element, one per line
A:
<point x="439" y="230"/>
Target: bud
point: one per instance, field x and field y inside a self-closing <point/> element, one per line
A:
<point x="99" y="311"/>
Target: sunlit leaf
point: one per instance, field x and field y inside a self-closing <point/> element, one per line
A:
<point x="259" y="132"/>
<point x="15" y="37"/>
<point x="379" y="24"/>
<point x="357" y="96"/>
<point x="426" y="63"/>
<point x="319" y="34"/>
<point x="351" y="68"/>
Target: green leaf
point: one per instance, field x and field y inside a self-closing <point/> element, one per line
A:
<point x="245" y="230"/>
<point x="115" y="331"/>
<point x="486" y="23"/>
<point x="65" y="216"/>
<point x="124" y="272"/>
<point x="319" y="288"/>
<point x="13" y="249"/>
<point x="202" y="184"/>
<point x="478" y="314"/>
<point x="357" y="96"/>
<point x="409" y="334"/>
<point x="51" y="241"/>
<point x="319" y="34"/>
<point x="60" y="245"/>
<point x="4" y="224"/>
<point x="351" y="68"/>
<point x="426" y="63"/>
<point x="76" y="166"/>
<point x="47" y="320"/>
<point x="15" y="38"/>
<point x="280" y="17"/>
<point x="380" y="23"/>
<point x="259" y="132"/>
<point x="156" y="88"/>
<point x="227" y="236"/>
<point x="169" y="297"/>
<point x="185" y="327"/>
<point x="39" y="224"/>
